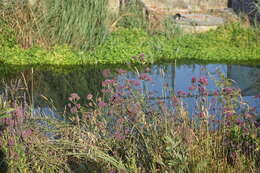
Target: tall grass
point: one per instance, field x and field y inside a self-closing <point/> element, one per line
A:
<point x="24" y="21"/>
<point x="81" y="24"/>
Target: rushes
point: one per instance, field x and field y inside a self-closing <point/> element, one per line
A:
<point x="81" y="24"/>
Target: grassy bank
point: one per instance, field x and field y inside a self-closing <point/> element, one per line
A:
<point x="123" y="131"/>
<point x="230" y="43"/>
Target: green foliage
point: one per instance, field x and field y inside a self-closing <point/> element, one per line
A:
<point x="7" y="35"/>
<point x="230" y="43"/>
<point x="81" y="24"/>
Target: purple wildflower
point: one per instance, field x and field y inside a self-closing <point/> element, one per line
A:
<point x="189" y="94"/>
<point x="229" y="114"/>
<point x="239" y="122"/>
<point x="74" y="96"/>
<point x="73" y="109"/>
<point x="113" y="171"/>
<point x="203" y="81"/>
<point x="134" y="82"/>
<point x="9" y="122"/>
<point x="144" y="76"/>
<point x="11" y="142"/>
<point x="228" y="123"/>
<point x="193" y="80"/>
<point x="216" y="93"/>
<point x="203" y="91"/>
<point x="192" y="87"/>
<point x="252" y="110"/>
<point x="228" y="91"/>
<point x="257" y="96"/>
<point x="89" y="96"/>
<point x="117" y="99"/>
<point x="102" y="104"/>
<point x="19" y="115"/>
<point x="181" y="93"/>
<point x="78" y="106"/>
<point x="26" y="133"/>
<point x="248" y="116"/>
<point x="108" y="82"/>
<point x="121" y="71"/>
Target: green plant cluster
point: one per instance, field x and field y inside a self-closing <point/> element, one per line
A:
<point x="229" y="43"/>
<point x="82" y="25"/>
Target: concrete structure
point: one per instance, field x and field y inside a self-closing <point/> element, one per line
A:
<point x="172" y="6"/>
<point x="114" y="6"/>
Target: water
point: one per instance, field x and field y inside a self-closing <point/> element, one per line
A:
<point x="178" y="78"/>
<point x="51" y="87"/>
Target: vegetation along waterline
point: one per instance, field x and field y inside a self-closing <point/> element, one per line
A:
<point x="68" y="105"/>
<point x="230" y="43"/>
<point x="122" y="130"/>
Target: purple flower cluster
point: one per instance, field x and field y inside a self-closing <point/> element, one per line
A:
<point x="108" y="82"/>
<point x="257" y="96"/>
<point x="144" y="76"/>
<point x="228" y="91"/>
<point x="121" y="71"/>
<point x="74" y="108"/>
<point x="134" y="82"/>
<point x="74" y="97"/>
<point x="203" y="81"/>
<point x="15" y="119"/>
<point x="181" y="93"/>
<point x="89" y="96"/>
<point x="228" y="112"/>
<point x="102" y="104"/>
<point x="116" y="99"/>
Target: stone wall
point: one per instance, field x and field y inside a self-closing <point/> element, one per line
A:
<point x="189" y="5"/>
<point x="172" y="5"/>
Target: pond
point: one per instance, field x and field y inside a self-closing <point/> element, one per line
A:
<point x="49" y="87"/>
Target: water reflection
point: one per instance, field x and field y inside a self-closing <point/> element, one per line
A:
<point x="57" y="85"/>
<point x="178" y="78"/>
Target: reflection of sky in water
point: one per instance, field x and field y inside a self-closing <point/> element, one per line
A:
<point x="179" y="78"/>
<point x="59" y="87"/>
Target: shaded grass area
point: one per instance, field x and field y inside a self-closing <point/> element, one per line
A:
<point x="229" y="43"/>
